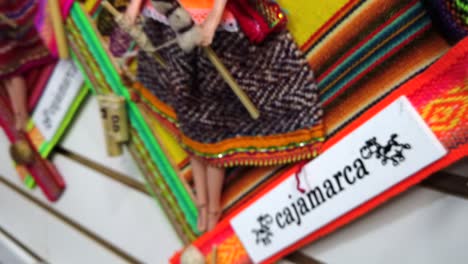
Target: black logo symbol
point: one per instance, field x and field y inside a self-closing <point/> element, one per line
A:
<point x="264" y="234"/>
<point x="393" y="151"/>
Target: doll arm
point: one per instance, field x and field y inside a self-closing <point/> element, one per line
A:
<point x="211" y="23"/>
<point x="133" y="10"/>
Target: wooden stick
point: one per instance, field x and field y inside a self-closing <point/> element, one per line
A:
<point x="245" y="100"/>
<point x="57" y="22"/>
<point x="7" y="20"/>
<point x="110" y="8"/>
<point x="135" y="32"/>
<point x="166" y="44"/>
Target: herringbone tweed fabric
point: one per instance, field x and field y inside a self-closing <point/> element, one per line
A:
<point x="275" y="75"/>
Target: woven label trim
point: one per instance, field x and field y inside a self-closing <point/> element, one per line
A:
<point x="387" y="149"/>
<point x="59" y="94"/>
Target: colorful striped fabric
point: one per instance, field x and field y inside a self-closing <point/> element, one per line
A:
<point x="367" y="50"/>
<point x="363" y="51"/>
<point x="155" y="182"/>
<point x="360" y="50"/>
<point x="158" y="187"/>
<point x="439" y="94"/>
<point x="95" y="62"/>
<point x="21" y="48"/>
<point x="357" y="57"/>
<point x="44" y="24"/>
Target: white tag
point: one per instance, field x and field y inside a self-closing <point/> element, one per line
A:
<point x="391" y="146"/>
<point x="62" y="87"/>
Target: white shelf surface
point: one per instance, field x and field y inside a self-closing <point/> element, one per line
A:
<point x="420" y="226"/>
<point x="126" y="218"/>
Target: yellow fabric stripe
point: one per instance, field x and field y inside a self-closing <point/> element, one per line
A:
<point x="308" y="16"/>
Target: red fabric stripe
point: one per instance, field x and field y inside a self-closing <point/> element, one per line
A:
<point x="375" y="64"/>
<point x="309" y="43"/>
<point x="411" y="88"/>
<point x="364" y="41"/>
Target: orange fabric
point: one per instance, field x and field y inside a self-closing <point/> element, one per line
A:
<point x="204" y="4"/>
<point x="263" y="141"/>
<point x="377" y="85"/>
<point x="154" y="100"/>
<point x="300" y="144"/>
<point x="448" y="81"/>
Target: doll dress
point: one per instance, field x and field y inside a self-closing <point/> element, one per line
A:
<point x="209" y="119"/>
<point x="21" y="48"/>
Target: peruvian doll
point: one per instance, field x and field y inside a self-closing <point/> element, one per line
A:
<point x="213" y="125"/>
<point x="21" y="49"/>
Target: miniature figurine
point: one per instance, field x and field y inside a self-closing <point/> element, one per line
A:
<point x="21" y="49"/>
<point x="214" y="127"/>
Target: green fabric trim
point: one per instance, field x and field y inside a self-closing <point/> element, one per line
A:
<point x="88" y="82"/>
<point x="136" y="118"/>
<point x="29" y="182"/>
<point x="47" y="147"/>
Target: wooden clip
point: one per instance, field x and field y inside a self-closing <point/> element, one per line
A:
<point x="113" y="147"/>
<point x="117" y="115"/>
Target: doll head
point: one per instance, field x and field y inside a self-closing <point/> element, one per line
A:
<point x="21" y="152"/>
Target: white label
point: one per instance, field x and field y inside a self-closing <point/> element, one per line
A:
<point x="390" y="147"/>
<point x="62" y="87"/>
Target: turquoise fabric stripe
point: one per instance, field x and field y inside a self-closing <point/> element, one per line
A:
<point x="136" y="119"/>
<point x="382" y="36"/>
<point x="390" y="47"/>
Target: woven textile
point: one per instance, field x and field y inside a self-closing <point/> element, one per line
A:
<point x="158" y="188"/>
<point x="21" y="48"/>
<point x="365" y="51"/>
<point x="213" y="122"/>
<point x="97" y="76"/>
<point x="105" y="21"/>
<point x="360" y="50"/>
<point x="440" y="95"/>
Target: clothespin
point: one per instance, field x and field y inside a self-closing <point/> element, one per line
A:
<point x="115" y="121"/>
<point x="57" y="22"/>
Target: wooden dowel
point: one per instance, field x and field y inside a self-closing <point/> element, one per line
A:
<point x="110" y="8"/>
<point x="166" y="44"/>
<point x="57" y="22"/>
<point x="245" y="100"/>
<point x="136" y="33"/>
